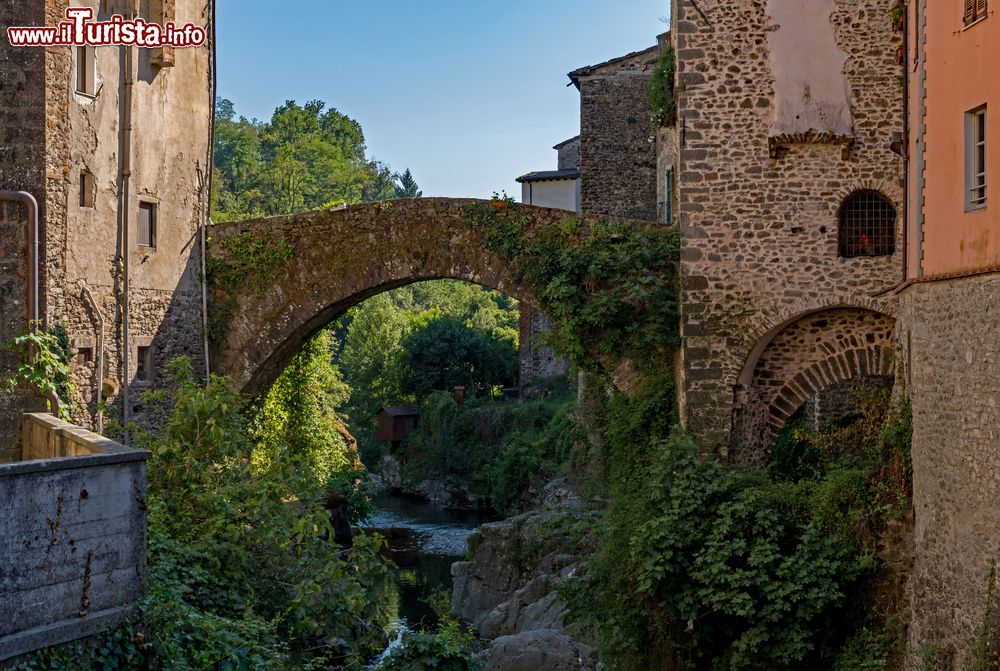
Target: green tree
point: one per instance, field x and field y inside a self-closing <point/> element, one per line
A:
<point x="443" y="351"/>
<point x="406" y="186"/>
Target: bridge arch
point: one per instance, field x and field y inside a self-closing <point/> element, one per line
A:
<point x="799" y="359"/>
<point x="328" y="261"/>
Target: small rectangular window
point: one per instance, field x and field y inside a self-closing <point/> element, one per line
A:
<point x="144" y="364"/>
<point x="84" y="355"/>
<point x="975" y="162"/>
<point x="974" y="10"/>
<point x="86" y="71"/>
<point x="670" y="197"/>
<point x="87" y="194"/>
<point x="147" y="224"/>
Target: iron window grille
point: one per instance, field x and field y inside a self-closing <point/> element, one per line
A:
<point x="867" y="225"/>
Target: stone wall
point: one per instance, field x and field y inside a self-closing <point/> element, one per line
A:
<point x="171" y="110"/>
<point x="537" y="362"/>
<point x="617" y="139"/>
<point x="757" y="205"/>
<point x="72" y="536"/>
<point x="22" y="168"/>
<point x="950" y="332"/>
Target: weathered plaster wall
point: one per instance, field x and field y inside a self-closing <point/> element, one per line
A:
<point x="759" y="222"/>
<point x="951" y="336"/>
<point x="811" y="94"/>
<point x="170" y="117"/>
<point x="958" y="75"/>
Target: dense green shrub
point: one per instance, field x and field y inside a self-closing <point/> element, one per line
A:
<point x="700" y="566"/>
<point x="448" y="648"/>
<point x="500" y="449"/>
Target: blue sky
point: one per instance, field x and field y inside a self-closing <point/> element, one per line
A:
<point x="468" y="94"/>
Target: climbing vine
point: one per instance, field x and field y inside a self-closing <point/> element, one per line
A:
<point x="44" y="364"/>
<point x="660" y="94"/>
<point x="249" y="260"/>
<point x="609" y="287"/>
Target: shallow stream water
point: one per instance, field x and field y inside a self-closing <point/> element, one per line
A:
<point x="423" y="540"/>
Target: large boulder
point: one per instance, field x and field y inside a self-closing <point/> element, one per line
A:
<point x="508" y="592"/>
<point x="539" y="650"/>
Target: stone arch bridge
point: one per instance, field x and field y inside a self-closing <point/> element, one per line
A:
<point x="331" y="260"/>
<point x="327" y="261"/>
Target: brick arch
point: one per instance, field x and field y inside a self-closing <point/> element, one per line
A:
<point x="340" y="258"/>
<point x="802" y="358"/>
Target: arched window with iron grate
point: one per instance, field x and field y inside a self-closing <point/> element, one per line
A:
<point x="867" y="225"/>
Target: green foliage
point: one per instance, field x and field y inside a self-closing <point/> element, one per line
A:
<point x="501" y="450"/>
<point x="305" y="158"/>
<point x="610" y="288"/>
<point x="724" y="577"/>
<point x="376" y="343"/>
<point x="443" y="351"/>
<point x="704" y="567"/>
<point x="243" y="570"/>
<point x="448" y="648"/>
<point x="660" y="94"/>
<point x="44" y="364"/>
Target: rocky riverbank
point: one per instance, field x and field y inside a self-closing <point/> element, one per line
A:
<point x="508" y="592"/>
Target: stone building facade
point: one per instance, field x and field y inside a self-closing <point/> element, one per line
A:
<point x="779" y="158"/>
<point x="949" y="323"/>
<point x="120" y="171"/>
<point x="617" y="141"/>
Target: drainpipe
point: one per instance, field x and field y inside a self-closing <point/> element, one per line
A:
<point x="126" y="193"/>
<point x="100" y="357"/>
<point x="34" y="274"/>
<point x="206" y="219"/>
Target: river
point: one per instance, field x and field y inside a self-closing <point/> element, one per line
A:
<point x="423" y="540"/>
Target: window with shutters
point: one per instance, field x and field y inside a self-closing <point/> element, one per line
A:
<point x="147" y="225"/>
<point x="974" y="11"/>
<point x="975" y="159"/>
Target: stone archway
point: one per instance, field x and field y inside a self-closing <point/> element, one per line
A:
<point x="816" y="352"/>
<point x="327" y="261"/>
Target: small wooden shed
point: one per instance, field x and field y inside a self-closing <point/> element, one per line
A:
<point x="396" y="423"/>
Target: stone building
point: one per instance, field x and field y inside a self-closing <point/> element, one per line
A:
<point x="558" y="189"/>
<point x="789" y="197"/>
<point x="949" y="319"/>
<point x="113" y="143"/>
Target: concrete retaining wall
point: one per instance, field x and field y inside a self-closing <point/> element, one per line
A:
<point x="72" y="535"/>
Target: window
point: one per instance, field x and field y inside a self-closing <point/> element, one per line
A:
<point x="87" y="189"/>
<point x="668" y="204"/>
<point x="86" y="71"/>
<point x="974" y="10"/>
<point x="84" y="355"/>
<point x="867" y="225"/>
<point x="147" y="224"/>
<point x="975" y="159"/>
<point x="144" y="364"/>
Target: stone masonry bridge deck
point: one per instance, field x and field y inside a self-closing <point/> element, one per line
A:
<point x="327" y="261"/>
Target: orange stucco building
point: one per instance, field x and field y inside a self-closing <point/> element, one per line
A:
<point x="948" y="325"/>
<point x="954" y="86"/>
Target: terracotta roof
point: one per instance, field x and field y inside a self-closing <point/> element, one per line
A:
<point x="550" y="175"/>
